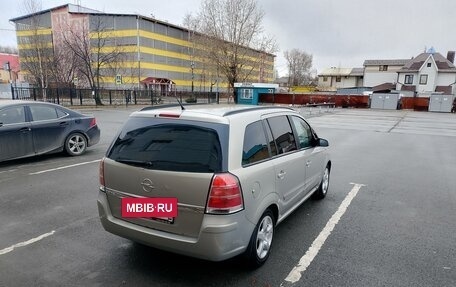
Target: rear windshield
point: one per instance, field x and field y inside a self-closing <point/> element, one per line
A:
<point x="174" y="146"/>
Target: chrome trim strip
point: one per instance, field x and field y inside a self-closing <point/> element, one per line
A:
<point x="189" y="207"/>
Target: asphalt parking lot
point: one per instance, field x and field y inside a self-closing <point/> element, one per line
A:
<point x="389" y="218"/>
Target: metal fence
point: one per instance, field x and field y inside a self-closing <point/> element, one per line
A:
<point x="86" y="97"/>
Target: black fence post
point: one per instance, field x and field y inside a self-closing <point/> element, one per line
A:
<point x="134" y="97"/>
<point x="72" y="91"/>
<point x="80" y="97"/>
<point x="110" y="97"/>
<point x="34" y="94"/>
<point x="12" y="92"/>
<point x="58" y="96"/>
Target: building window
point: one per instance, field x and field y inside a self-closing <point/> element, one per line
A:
<point x="383" y="68"/>
<point x="325" y="79"/>
<point x="423" y="79"/>
<point x="408" y="79"/>
<point x="338" y="78"/>
<point x="429" y="65"/>
<point x="246" y="94"/>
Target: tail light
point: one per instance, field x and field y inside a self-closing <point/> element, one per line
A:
<point x="169" y="115"/>
<point x="93" y="122"/>
<point x="225" y="195"/>
<point x="101" y="175"/>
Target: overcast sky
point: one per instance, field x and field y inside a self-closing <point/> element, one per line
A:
<point x="338" y="33"/>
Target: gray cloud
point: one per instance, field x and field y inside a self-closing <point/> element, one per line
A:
<point x="336" y="32"/>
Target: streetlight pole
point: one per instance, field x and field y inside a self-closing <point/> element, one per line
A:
<point x="192" y="66"/>
<point x="8" y="68"/>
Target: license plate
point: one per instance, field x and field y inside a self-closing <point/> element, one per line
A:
<point x="160" y="208"/>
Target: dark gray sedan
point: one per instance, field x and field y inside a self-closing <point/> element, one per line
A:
<point x="32" y="128"/>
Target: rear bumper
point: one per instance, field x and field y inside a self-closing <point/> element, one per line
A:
<point x="93" y="135"/>
<point x="221" y="236"/>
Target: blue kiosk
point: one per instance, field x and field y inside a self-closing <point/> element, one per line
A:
<point x="249" y="93"/>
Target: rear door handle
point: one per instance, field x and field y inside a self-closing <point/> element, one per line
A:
<point x="25" y="130"/>
<point x="63" y="124"/>
<point x="308" y="163"/>
<point x="281" y="174"/>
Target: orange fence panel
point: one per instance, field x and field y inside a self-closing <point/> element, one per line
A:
<point x="307" y="99"/>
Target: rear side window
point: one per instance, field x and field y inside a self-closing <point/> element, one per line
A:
<point x="42" y="113"/>
<point x="255" y="145"/>
<point x="172" y="147"/>
<point x="282" y="133"/>
<point x="60" y="113"/>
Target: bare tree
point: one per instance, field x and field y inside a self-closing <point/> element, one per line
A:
<point x="95" y="51"/>
<point x="299" y="65"/>
<point x="64" y="67"/>
<point x="230" y="38"/>
<point x="37" y="53"/>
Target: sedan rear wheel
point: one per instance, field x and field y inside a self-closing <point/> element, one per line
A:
<point x="261" y="241"/>
<point x="75" y="144"/>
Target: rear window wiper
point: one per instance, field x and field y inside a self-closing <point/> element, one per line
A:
<point x="135" y="162"/>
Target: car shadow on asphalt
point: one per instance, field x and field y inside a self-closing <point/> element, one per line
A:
<point x="177" y="269"/>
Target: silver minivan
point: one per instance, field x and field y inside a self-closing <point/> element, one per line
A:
<point x="234" y="171"/>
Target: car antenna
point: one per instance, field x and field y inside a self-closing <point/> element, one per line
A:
<point x="177" y="99"/>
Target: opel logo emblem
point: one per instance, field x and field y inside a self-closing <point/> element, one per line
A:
<point x="147" y="185"/>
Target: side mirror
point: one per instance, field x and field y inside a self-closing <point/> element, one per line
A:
<point x="323" y="142"/>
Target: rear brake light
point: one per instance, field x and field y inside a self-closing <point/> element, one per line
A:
<point x="225" y="195"/>
<point x="169" y="115"/>
<point x="93" y="122"/>
<point x="101" y="175"/>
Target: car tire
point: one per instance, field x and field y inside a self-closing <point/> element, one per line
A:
<point x="75" y="144"/>
<point x="261" y="241"/>
<point x="322" y="190"/>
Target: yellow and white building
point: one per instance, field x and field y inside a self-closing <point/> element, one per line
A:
<point x="154" y="50"/>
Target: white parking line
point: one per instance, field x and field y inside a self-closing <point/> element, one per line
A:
<point x="10" y="170"/>
<point x="25" y="243"/>
<point x="313" y="250"/>
<point x="63" y="167"/>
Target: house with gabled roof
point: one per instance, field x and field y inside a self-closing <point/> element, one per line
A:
<point x="334" y="78"/>
<point x="378" y="72"/>
<point x="427" y="74"/>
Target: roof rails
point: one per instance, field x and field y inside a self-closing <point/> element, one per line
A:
<point x="168" y="106"/>
<point x="254" y="108"/>
<point x="228" y="113"/>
